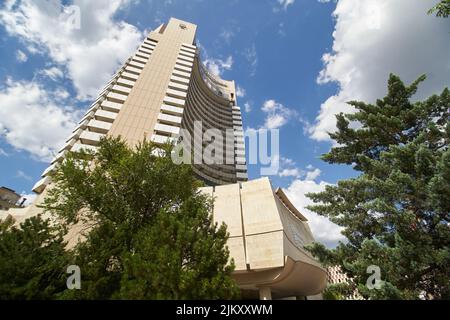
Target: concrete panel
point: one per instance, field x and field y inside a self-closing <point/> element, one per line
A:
<point x="227" y="208"/>
<point x="237" y="252"/>
<point x="265" y="250"/>
<point x="260" y="212"/>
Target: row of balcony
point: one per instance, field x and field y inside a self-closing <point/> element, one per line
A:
<point x="169" y="119"/>
<point x="100" y="117"/>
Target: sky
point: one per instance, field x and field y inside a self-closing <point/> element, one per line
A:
<point x="295" y="64"/>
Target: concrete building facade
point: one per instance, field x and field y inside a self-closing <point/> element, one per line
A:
<point x="163" y="89"/>
<point x="8" y="199"/>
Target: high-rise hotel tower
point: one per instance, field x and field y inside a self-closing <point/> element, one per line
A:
<point x="163" y="89"/>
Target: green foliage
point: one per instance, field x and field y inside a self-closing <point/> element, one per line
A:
<point x="150" y="232"/>
<point x="338" y="291"/>
<point x="33" y="260"/>
<point x="396" y="213"/>
<point x="442" y="9"/>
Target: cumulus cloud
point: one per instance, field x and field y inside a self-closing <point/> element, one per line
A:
<point x="247" y="107"/>
<point x="313" y="174"/>
<point x="22" y="175"/>
<point x="53" y="73"/>
<point x="218" y="66"/>
<point x="285" y="3"/>
<point x="293" y="172"/>
<point x="373" y="38"/>
<point x="3" y="153"/>
<point x="31" y="120"/>
<point x="251" y="56"/>
<point x="322" y="228"/>
<point x="21" y="56"/>
<point x="91" y="53"/>
<point x="277" y="115"/>
<point x="240" y="92"/>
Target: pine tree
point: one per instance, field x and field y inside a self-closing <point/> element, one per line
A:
<point x="396" y="213"/>
<point x="151" y="235"/>
<point x="442" y="9"/>
<point x="33" y="260"/>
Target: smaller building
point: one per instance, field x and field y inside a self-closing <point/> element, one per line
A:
<point x="335" y="276"/>
<point x="8" y="199"/>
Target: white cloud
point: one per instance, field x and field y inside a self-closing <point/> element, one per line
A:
<point x="373" y="38"/>
<point x="91" y="53"/>
<point x="53" y="73"/>
<point x="285" y="3"/>
<point x="30" y="197"/>
<point x="277" y="115"/>
<point x="322" y="228"/>
<point x="31" y="120"/>
<point x="227" y="35"/>
<point x="3" y="153"/>
<point x="288" y="168"/>
<point x="60" y="94"/>
<point x="247" y="107"/>
<point x="21" y="56"/>
<point x="240" y="92"/>
<point x="218" y="66"/>
<point x="252" y="58"/>
<point x="312" y="175"/>
<point x="22" y="175"/>
<point x="294" y="172"/>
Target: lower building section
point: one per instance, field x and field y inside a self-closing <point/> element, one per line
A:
<point x="266" y="242"/>
<point x="267" y="239"/>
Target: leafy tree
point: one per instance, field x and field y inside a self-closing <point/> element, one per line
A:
<point x="396" y="213"/>
<point x="337" y="291"/>
<point x="442" y="9"/>
<point x="150" y="232"/>
<point x="33" y="260"/>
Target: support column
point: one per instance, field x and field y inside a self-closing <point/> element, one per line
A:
<point x="265" y="293"/>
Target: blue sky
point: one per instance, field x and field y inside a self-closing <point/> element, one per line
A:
<point x="295" y="62"/>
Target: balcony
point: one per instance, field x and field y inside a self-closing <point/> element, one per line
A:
<point x="183" y="68"/>
<point x="178" y="86"/>
<point x="156" y="138"/>
<point x="111" y="106"/>
<point x="59" y="156"/>
<point x="171" y="130"/>
<point x="184" y="63"/>
<point x="130" y="76"/>
<point x="99" y="126"/>
<point x="169" y="119"/>
<point x="179" y="79"/>
<point x="49" y="169"/>
<point x="133" y="70"/>
<point x="186" y="54"/>
<point x="91" y="138"/>
<point x="136" y="64"/>
<point x="41" y="184"/>
<point x="142" y="55"/>
<point x="140" y="60"/>
<point x="106" y="116"/>
<point x="182" y="74"/>
<point x="79" y="146"/>
<point x="176" y="93"/>
<point x="172" y="110"/>
<point x="174" y="101"/>
<point x="116" y="97"/>
<point x="121" y="89"/>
